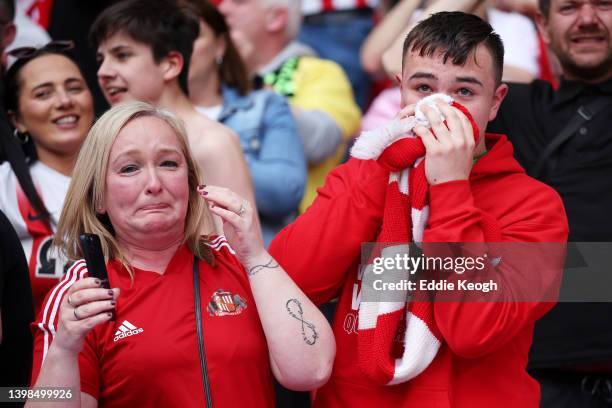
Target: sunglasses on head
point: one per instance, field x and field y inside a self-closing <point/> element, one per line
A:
<point x="54" y="46"/>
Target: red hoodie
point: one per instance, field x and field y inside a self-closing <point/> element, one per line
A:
<point x="483" y="356"/>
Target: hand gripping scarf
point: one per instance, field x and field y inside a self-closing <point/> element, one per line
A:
<point x="406" y="211"/>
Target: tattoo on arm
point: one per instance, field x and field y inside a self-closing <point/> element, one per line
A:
<point x="258" y="268"/>
<point x="293" y="306"/>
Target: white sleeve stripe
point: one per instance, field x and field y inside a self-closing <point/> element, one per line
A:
<point x="66" y="278"/>
<point x="217" y="245"/>
<point x="219" y="240"/>
<point x="47" y="326"/>
<point x="56" y="306"/>
<point x="216" y="240"/>
<point x="229" y="248"/>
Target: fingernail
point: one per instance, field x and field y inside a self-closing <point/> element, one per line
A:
<point x="204" y="192"/>
<point x="109" y="314"/>
<point x="112" y="302"/>
<point x="201" y="187"/>
<point x="111" y="293"/>
<point x="98" y="282"/>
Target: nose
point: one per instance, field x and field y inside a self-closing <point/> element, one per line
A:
<point x="105" y="71"/>
<point x="64" y="99"/>
<point x="154" y="184"/>
<point x="587" y="14"/>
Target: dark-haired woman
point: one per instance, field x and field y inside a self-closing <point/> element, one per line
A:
<point x="220" y="88"/>
<point x="51" y="109"/>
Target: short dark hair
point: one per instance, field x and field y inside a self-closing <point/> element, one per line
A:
<point x="163" y="25"/>
<point x="232" y="70"/>
<point x="455" y="35"/>
<point x="544" y="6"/>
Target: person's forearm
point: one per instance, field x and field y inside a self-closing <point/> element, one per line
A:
<point x="300" y="340"/>
<point x="279" y="186"/>
<point x="527" y="7"/>
<point x="60" y="369"/>
<point x="392" y="57"/>
<point x="320" y="135"/>
<point x="384" y="33"/>
<point x="518" y="75"/>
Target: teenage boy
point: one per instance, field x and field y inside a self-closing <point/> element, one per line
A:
<point x="144" y="48"/>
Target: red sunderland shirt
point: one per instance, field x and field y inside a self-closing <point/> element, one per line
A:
<point x="148" y="356"/>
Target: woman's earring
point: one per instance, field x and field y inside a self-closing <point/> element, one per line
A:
<point x="22" y="138"/>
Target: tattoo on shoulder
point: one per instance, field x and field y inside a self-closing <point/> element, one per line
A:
<point x="258" y="268"/>
<point x="309" y="332"/>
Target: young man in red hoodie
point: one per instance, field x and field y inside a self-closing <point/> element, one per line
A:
<point x="477" y="193"/>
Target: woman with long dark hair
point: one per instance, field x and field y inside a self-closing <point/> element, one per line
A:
<point x="50" y="106"/>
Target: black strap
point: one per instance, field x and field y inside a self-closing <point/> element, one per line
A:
<point x="584" y="114"/>
<point x="14" y="154"/>
<point x="199" y="321"/>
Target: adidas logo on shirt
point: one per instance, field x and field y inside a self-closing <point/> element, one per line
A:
<point x="127" y="329"/>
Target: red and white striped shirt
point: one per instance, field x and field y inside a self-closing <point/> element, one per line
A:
<point x="310" y="7"/>
<point x="46" y="266"/>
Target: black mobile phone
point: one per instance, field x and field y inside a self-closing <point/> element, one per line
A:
<point x="94" y="257"/>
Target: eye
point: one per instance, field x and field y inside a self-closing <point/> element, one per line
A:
<point x="75" y="89"/>
<point x="423" y="88"/>
<point x="169" y="163"/>
<point x="464" y="92"/>
<point x="42" y="94"/>
<point x="130" y="168"/>
<point x="567" y="8"/>
<point x="605" y="5"/>
<point x="122" y="55"/>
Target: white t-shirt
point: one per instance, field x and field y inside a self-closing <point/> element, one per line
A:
<point x="211" y="113"/>
<point x="45" y="267"/>
<point x="520" y="38"/>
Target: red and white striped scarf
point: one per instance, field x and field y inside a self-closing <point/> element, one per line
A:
<point x="405" y="216"/>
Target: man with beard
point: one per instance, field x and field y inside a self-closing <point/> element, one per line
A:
<point x="563" y="137"/>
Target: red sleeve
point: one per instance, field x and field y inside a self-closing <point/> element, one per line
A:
<point x="318" y="248"/>
<point x="538" y="216"/>
<point x="45" y="326"/>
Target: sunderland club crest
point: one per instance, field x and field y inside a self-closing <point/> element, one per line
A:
<point x="223" y="303"/>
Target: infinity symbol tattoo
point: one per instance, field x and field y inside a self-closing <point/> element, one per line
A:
<point x="309" y="339"/>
